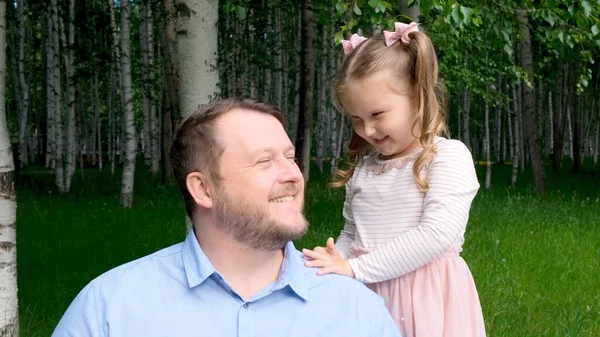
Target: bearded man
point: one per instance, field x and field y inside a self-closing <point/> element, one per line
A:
<point x="237" y="273"/>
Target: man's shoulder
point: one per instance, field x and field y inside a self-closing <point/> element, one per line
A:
<point x="125" y="285"/>
<point x="350" y="288"/>
<point x="145" y="268"/>
<point x="332" y="285"/>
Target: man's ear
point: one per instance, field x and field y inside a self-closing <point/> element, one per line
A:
<point x="199" y="188"/>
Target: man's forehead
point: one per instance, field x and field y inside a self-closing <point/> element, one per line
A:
<point x="250" y="131"/>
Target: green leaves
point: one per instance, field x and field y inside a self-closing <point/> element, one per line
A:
<point x="426" y="6"/>
<point x="240" y="12"/>
<point x="587" y="8"/>
<point x="380" y="6"/>
<point x="467" y="13"/>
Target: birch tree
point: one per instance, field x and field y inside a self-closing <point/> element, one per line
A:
<point x="9" y="319"/>
<point x="128" y="113"/>
<point x="306" y="92"/>
<point x="71" y="117"/>
<point x="197" y="50"/>
<point x="529" y="115"/>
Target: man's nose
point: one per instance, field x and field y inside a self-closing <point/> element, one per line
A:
<point x="290" y="172"/>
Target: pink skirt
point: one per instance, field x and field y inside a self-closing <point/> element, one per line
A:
<point x="437" y="300"/>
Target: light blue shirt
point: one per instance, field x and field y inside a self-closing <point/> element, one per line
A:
<point x="177" y="292"/>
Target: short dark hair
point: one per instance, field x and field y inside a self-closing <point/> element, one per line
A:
<point x="195" y="147"/>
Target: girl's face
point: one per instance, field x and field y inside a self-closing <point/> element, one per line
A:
<point x="381" y="114"/>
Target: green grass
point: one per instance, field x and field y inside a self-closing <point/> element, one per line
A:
<point x="535" y="261"/>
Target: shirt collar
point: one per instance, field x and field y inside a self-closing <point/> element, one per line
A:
<point x="196" y="264"/>
<point x="293" y="272"/>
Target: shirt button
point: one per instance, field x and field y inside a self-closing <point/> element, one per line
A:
<point x="246" y="305"/>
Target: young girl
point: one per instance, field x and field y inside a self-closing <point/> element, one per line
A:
<point x="408" y="191"/>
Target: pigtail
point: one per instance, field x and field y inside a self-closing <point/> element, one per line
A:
<point x="430" y="119"/>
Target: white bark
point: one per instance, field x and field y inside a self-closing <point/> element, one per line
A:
<point x="197" y="50"/>
<point x="128" y="113"/>
<point x="71" y="118"/>
<point x="9" y="319"/>
<point x="23" y="85"/>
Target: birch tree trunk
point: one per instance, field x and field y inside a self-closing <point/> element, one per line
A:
<point x="197" y="49"/>
<point x="116" y="66"/>
<point x="530" y="117"/>
<point x="128" y="114"/>
<point x="170" y="101"/>
<point x="569" y="112"/>
<point x="308" y="60"/>
<point x="71" y="117"/>
<point x="22" y="84"/>
<point x="498" y="127"/>
<point x="9" y="320"/>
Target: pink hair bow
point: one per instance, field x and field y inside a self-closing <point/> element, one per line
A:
<point x="355" y="41"/>
<point x="401" y="33"/>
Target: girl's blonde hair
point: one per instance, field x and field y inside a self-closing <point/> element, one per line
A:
<point x="417" y="65"/>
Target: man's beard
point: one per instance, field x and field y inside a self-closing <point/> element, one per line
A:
<point x="252" y="225"/>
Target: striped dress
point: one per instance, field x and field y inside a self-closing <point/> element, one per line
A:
<point x="405" y="243"/>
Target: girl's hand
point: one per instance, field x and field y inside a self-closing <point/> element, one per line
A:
<point x="329" y="259"/>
